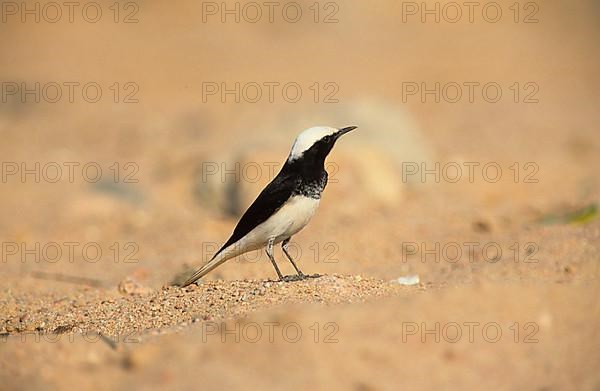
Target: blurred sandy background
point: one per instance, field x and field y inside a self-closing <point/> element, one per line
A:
<point x="176" y="212"/>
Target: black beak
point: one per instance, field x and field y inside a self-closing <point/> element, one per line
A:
<point x="345" y="130"/>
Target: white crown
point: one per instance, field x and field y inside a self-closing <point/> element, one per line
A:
<point x="308" y="138"/>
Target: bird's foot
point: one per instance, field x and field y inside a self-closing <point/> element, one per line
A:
<point x="316" y="275"/>
<point x="299" y="277"/>
<point x="290" y="278"/>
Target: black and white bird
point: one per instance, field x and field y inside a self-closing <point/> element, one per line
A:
<point x="286" y="205"/>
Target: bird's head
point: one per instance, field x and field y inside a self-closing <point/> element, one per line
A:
<point x="314" y="144"/>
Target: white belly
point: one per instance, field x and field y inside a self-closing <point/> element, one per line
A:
<point x="287" y="221"/>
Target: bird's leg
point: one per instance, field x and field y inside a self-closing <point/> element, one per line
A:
<point x="269" y="250"/>
<point x="284" y="246"/>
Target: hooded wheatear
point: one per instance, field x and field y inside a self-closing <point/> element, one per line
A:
<point x="286" y="205"/>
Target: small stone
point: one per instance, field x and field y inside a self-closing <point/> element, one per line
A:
<point x="407" y="280"/>
<point x="130" y="286"/>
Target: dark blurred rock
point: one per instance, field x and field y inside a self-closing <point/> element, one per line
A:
<point x="481" y="226"/>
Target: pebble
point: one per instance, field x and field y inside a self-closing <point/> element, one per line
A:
<point x="407" y="280"/>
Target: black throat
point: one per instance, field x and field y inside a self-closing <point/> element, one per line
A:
<point x="309" y="169"/>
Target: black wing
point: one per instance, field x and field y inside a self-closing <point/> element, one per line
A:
<point x="266" y="204"/>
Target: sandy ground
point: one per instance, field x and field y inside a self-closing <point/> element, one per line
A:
<point x="507" y="265"/>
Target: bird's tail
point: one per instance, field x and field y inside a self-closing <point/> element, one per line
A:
<point x="217" y="260"/>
